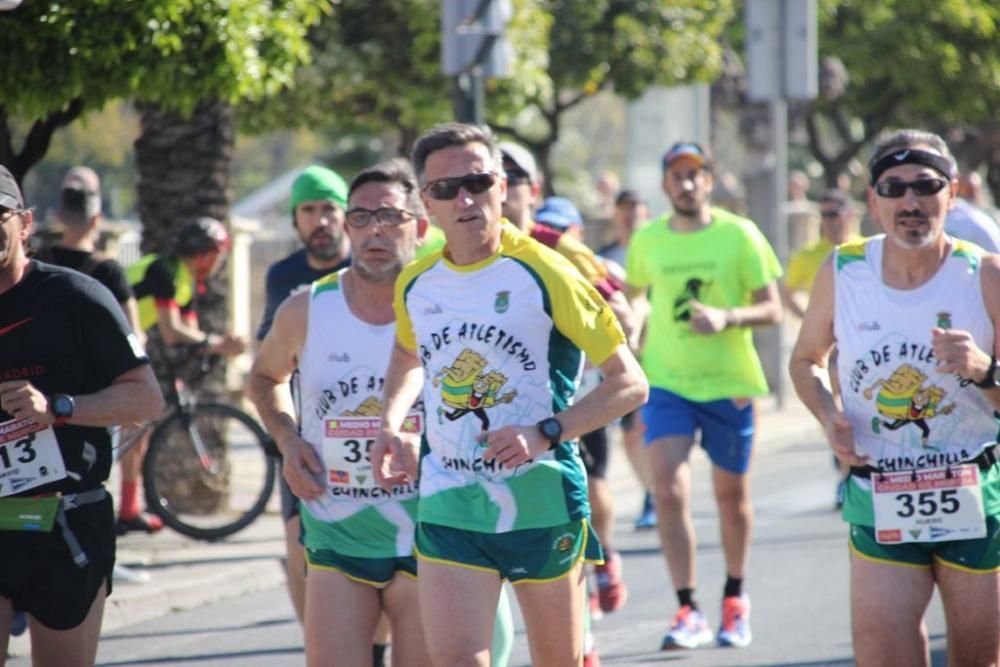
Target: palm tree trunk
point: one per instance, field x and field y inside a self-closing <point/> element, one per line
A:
<point x="183" y="164"/>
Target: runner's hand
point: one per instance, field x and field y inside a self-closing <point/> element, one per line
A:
<point x="302" y="469"/>
<point x="513" y="445"/>
<point x="707" y="319"/>
<point x="22" y="400"/>
<point x="394" y="459"/>
<point x="957" y="352"/>
<point x="840" y="437"/>
<point x="227" y="345"/>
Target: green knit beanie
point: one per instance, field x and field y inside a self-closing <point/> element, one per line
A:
<point x="317" y="183"/>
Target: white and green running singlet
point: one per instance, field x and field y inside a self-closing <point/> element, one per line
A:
<point x="500" y="342"/>
<point x="341" y="375"/>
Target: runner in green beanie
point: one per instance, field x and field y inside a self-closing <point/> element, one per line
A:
<point x="317" y="183"/>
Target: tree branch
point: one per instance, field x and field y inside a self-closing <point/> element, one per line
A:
<point x="36" y="144"/>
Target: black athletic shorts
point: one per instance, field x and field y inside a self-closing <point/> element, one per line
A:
<point x="39" y="576"/>
<point x="594" y="450"/>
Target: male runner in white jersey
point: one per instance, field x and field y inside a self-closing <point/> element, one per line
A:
<point x="497" y="324"/>
<point x="914" y="314"/>
<point x="338" y="334"/>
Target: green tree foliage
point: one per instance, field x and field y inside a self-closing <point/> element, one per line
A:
<point x="923" y="62"/>
<point x="60" y="59"/>
<point x="627" y="45"/>
<point x="375" y="68"/>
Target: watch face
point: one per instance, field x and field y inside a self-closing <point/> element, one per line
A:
<point x="551" y="429"/>
<point x="62" y="406"/>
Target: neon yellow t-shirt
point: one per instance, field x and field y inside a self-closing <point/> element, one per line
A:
<point x="433" y="241"/>
<point x="720" y="265"/>
<point x="805" y="263"/>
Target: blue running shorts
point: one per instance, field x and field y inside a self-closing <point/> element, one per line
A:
<point x="726" y="429"/>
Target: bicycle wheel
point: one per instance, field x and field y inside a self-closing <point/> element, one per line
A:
<point x="212" y="496"/>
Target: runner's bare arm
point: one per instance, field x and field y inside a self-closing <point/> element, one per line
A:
<point x="404" y="381"/>
<point x="276" y="360"/>
<point x="268" y="389"/>
<point x="808" y="364"/>
<point x="133" y="396"/>
<point x="623" y="389"/>
<point x="957" y="351"/>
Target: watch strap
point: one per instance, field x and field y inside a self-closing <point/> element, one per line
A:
<point x="990" y="381"/>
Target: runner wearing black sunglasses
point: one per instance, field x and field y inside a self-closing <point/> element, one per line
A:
<point x="913" y="314"/>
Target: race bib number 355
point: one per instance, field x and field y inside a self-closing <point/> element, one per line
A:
<point x="29" y="456"/>
<point x="937" y="505"/>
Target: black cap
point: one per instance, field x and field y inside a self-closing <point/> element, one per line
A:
<point x="10" y="194"/>
<point x="628" y="196"/>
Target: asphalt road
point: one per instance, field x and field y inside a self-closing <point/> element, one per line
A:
<point x="797" y="582"/>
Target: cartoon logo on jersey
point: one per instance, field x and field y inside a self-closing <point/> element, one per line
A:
<point x="370" y="407"/>
<point x="502" y="302"/>
<point x="466" y="388"/>
<point x="904" y="399"/>
<point x="682" y="304"/>
<point x="944" y="320"/>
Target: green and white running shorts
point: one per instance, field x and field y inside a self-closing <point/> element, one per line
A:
<point x="521" y="556"/>
<point x="377" y="572"/>
<point x="981" y="556"/>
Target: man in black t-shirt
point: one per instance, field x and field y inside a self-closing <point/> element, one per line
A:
<point x="70" y="366"/>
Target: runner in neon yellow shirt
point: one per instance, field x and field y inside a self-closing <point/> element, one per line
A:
<point x="712" y="277"/>
<point x="838" y="224"/>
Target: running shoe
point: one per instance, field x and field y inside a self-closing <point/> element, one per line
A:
<point x="126" y="575"/>
<point x="146" y="523"/>
<point x="19" y="624"/>
<point x="735" y="630"/>
<point x="592" y="659"/>
<point x="688" y="630"/>
<point x="611" y="590"/>
<point x="590" y="655"/>
<point x="647" y="518"/>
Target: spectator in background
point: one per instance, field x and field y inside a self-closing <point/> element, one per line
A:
<point x="561" y="215"/>
<point x="631" y="212"/>
<point x="79" y="213"/>
<point x="838" y="224"/>
<point x="967" y="221"/>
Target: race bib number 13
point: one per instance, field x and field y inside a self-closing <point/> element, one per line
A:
<point x="29" y="456"/>
<point x="937" y="505"/>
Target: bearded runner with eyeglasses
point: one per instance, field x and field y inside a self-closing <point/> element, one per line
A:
<point x="338" y="336"/>
<point x="913" y="313"/>
<point x="493" y="330"/>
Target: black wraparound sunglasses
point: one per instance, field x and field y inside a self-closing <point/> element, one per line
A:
<point x="922" y="187"/>
<point x="447" y="188"/>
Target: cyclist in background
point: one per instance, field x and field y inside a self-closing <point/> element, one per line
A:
<point x="166" y="289"/>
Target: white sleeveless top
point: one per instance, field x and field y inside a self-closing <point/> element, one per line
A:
<point x="341" y="372"/>
<point x="905" y="414"/>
